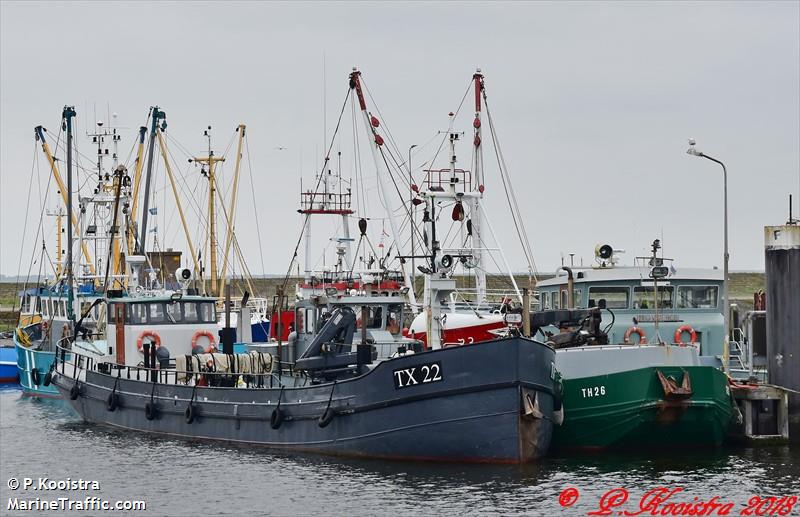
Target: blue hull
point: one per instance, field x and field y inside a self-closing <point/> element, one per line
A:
<point x="473" y="410"/>
<point x="28" y="360"/>
<point x="8" y="366"/>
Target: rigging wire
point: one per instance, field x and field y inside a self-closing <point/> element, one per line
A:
<point x="316" y="190"/>
<point x="255" y="205"/>
<point x="34" y="167"/>
<point x="510" y="196"/>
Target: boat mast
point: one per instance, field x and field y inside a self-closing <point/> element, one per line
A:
<point x="211" y="161"/>
<point x="371" y="125"/>
<point x="158" y="115"/>
<point x="68" y="114"/>
<point x="232" y="209"/>
<point x="39" y="130"/>
<point x="476" y="213"/>
<point x="137" y="179"/>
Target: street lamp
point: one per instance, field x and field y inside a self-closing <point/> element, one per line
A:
<point x="725" y="299"/>
<point x="413" y="222"/>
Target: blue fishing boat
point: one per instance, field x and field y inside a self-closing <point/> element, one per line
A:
<point x="8" y="365"/>
<point x="42" y="322"/>
<point x="492" y="402"/>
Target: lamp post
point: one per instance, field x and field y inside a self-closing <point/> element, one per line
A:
<point x="413" y="222"/>
<point x="725" y="299"/>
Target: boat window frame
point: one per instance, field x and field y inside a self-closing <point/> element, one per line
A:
<point x="394" y="312"/>
<point x="135" y="310"/>
<point x="202" y="313"/>
<point x="649" y="290"/>
<point x="174" y="319"/>
<point x="196" y="316"/>
<point x="690" y="286"/>
<point x="628" y="298"/>
<point x="156" y="319"/>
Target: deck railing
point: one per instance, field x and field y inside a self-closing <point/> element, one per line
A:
<point x="77" y="362"/>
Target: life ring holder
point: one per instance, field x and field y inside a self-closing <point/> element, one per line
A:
<point x="678" y="337"/>
<point x="635" y="330"/>
<point x="212" y="343"/>
<point x="148" y="333"/>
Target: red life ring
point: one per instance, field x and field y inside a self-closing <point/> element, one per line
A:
<point x="635" y="330"/>
<point x="148" y="333"/>
<point x="212" y="344"/>
<point x="679" y="335"/>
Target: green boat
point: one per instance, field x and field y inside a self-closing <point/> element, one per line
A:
<point x="627" y="397"/>
<point x="666" y="390"/>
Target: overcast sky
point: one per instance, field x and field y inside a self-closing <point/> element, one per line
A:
<point x="593" y="102"/>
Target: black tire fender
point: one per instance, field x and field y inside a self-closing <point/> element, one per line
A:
<point x="48" y="378"/>
<point x="189" y="414"/>
<point x="36" y="377"/>
<point x="276" y="419"/>
<point x="326" y="417"/>
<point x="113" y="401"/>
<point x="151" y="411"/>
<point x="74" y="391"/>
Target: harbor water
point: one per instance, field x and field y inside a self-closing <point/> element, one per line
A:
<point x="46" y="439"/>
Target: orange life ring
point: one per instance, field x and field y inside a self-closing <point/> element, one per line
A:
<point x="635" y="330"/>
<point x="679" y="335"/>
<point x="148" y="333"/>
<point x="212" y="343"/>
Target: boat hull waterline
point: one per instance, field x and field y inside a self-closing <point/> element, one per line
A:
<point x="490" y="402"/>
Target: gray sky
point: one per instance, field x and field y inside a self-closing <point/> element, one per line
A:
<point x="593" y="103"/>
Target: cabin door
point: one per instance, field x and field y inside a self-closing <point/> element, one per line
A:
<point x="119" y="319"/>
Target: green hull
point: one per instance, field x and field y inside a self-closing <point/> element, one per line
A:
<point x="629" y="410"/>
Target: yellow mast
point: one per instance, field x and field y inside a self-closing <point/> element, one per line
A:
<point x="232" y="211"/>
<point x="162" y="146"/>
<point x="63" y="189"/>
<point x="137" y="177"/>
<point x="211" y="161"/>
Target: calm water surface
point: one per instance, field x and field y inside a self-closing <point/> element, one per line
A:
<point x="182" y="478"/>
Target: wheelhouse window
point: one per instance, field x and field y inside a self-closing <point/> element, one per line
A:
<point x="138" y="314"/>
<point x="85" y="310"/>
<point x="374" y="317"/>
<point x="207" y="312"/>
<point x="644" y="297"/>
<point x="394" y="322"/>
<point x="576" y="298"/>
<point x="190" y="312"/>
<point x="308" y="321"/>
<point x="174" y="314"/>
<point x="697" y="297"/>
<point x="615" y="297"/>
<point x="156" y="312"/>
<point x="554" y="300"/>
